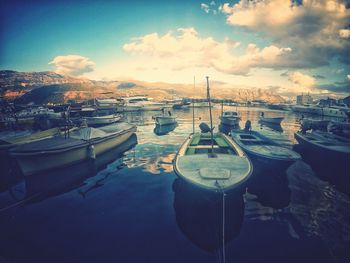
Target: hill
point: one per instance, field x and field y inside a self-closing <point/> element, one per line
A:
<point x="46" y="87"/>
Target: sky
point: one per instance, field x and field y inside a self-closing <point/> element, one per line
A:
<point x="288" y="47"/>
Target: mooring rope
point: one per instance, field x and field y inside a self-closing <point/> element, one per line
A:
<point x="223" y="226"/>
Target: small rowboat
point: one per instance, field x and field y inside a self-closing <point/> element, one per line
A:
<point x="272" y="120"/>
<point x="265" y="153"/>
<point x="217" y="166"/>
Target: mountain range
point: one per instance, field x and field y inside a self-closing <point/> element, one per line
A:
<point x="50" y="87"/>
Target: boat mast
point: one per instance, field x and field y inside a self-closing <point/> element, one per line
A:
<point x="194" y="88"/>
<point x="211" y="120"/>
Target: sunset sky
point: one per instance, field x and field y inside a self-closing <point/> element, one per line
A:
<point x="287" y="47"/>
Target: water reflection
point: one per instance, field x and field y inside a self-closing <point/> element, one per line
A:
<point x="199" y="215"/>
<point x="271" y="189"/>
<point x="164" y="129"/>
<point x="43" y="185"/>
<point x="331" y="170"/>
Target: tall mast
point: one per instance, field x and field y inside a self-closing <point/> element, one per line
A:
<point x="194" y="88"/>
<point x="211" y="121"/>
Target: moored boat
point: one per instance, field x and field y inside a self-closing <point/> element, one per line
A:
<point x="329" y="148"/>
<point x="265" y="153"/>
<point x="222" y="166"/>
<point x="102" y="120"/>
<point x="212" y="161"/>
<point x="272" y="120"/>
<point x="85" y="143"/>
<point x="230" y="118"/>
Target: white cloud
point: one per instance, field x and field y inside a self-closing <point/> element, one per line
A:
<point x="185" y="49"/>
<point x="205" y="7"/>
<point x="313" y="28"/>
<point x="73" y="65"/>
<point x="344" y="33"/>
<point x="301" y="82"/>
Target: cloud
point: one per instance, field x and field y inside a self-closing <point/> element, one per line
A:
<point x="210" y="8"/>
<point x="318" y="76"/>
<point x="344" y="33"/>
<point x="300" y="82"/>
<point x="205" y="7"/>
<point x="73" y="65"/>
<point x="314" y="29"/>
<point x="186" y="48"/>
<point x="301" y="79"/>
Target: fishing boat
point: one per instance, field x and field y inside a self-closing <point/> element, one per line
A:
<point x="272" y="120"/>
<point x="102" y="120"/>
<point x="82" y="144"/>
<point x="265" y="153"/>
<point x="230" y="118"/>
<point x="212" y="161"/>
<point x="328" y="147"/>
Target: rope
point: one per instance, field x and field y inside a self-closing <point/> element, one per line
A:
<point x="223" y="226"/>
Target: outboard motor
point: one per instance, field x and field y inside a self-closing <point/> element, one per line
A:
<point x="204" y="127"/>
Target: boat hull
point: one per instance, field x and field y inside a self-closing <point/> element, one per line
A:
<point x="41" y="161"/>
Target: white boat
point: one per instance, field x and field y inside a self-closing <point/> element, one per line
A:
<point x="102" y="120"/>
<point x="229" y="168"/>
<point x="230" y="118"/>
<point x="335" y="111"/>
<point x="339" y="111"/>
<point x="272" y="120"/>
<point x="83" y="144"/>
<point x="212" y="161"/>
<point x="165" y="120"/>
<point x="141" y="103"/>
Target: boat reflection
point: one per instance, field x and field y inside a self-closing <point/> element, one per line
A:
<point x="41" y="186"/>
<point x="199" y="215"/>
<point x="332" y="170"/>
<point x="275" y="127"/>
<point x="164" y="129"/>
<point x="271" y="189"/>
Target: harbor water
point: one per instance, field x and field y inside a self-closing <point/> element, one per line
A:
<point x="129" y="206"/>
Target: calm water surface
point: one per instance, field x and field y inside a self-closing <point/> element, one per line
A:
<point x="129" y="206"/>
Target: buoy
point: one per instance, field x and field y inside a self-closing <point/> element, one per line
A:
<point x="91" y="152"/>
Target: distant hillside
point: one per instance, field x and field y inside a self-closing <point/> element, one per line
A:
<point x="45" y="87"/>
